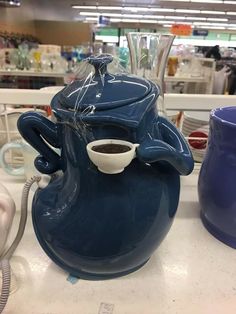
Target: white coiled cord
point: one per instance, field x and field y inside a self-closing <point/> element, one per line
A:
<point x="5" y="257"/>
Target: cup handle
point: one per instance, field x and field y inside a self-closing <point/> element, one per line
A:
<point x="8" y="169"/>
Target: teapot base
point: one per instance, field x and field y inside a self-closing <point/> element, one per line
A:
<point x="85" y="275"/>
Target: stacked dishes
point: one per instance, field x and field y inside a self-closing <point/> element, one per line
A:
<point x="195" y="128"/>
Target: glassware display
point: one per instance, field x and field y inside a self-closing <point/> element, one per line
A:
<point x="172" y="66"/>
<point x="23" y="57"/>
<point x="148" y="54"/>
<point x="37" y="59"/>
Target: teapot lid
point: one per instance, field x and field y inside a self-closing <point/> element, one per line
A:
<point x="103" y="90"/>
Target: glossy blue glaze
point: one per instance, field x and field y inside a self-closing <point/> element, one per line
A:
<point x="216" y="184"/>
<point x="99" y="226"/>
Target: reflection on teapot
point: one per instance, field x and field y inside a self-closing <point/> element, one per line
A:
<point x="97" y="225"/>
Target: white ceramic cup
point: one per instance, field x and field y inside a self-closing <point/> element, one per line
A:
<point x="29" y="154"/>
<point x="111" y="163"/>
<point x="7" y="212"/>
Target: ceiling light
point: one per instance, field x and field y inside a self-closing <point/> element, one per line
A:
<point x="208" y="1"/>
<point x="91" y="19"/>
<point x="90" y="13"/>
<point x="109" y="8"/>
<point x="203" y="1"/>
<point x="130" y="20"/>
<point x="149" y="21"/>
<point x="187" y="11"/>
<point x="135" y="9"/>
<point x="130" y="15"/>
<point x="161" y="10"/>
<point x="85" y="7"/>
<point x="211" y="24"/>
<point x="147" y="16"/>
<point x="172" y="17"/>
<point x="176" y="0"/>
<point x="216" y="19"/>
<point x="167" y="25"/>
<point x="215" y="27"/>
<point x="213" y="12"/>
<point x="166" y="22"/>
<point x="196" y="18"/>
<point x="115" y="20"/>
<point x="231" y="13"/>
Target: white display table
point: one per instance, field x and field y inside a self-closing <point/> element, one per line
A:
<point x="190" y="273"/>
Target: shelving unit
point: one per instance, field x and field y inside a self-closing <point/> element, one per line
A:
<point x="30" y="79"/>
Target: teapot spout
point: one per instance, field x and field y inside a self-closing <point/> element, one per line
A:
<point x="172" y="149"/>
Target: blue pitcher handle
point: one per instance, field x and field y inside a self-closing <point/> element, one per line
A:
<point x="36" y="129"/>
<point x="173" y="149"/>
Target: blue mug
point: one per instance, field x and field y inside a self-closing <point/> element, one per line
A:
<point x="216" y="186"/>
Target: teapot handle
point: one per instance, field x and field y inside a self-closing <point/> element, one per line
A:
<point x="173" y="149"/>
<point x="36" y="129"/>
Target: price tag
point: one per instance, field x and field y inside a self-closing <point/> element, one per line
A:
<point x="106" y="308"/>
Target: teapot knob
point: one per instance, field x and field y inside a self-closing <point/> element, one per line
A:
<point x="100" y="63"/>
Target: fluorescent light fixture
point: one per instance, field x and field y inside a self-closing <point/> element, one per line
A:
<point x="185" y="23"/>
<point x="135" y="9"/>
<point x="148" y="16"/>
<point x="149" y="21"/>
<point x="216" y="27"/>
<point x="90" y="13"/>
<point x="167" y="25"/>
<point x="176" y="0"/>
<point x="85" y="7"/>
<point x="166" y="22"/>
<point x="208" y="1"/>
<point x="130" y="15"/>
<point x="196" y="18"/>
<point x="229" y="2"/>
<point x="231" y="13"/>
<point x="115" y="20"/>
<point x="109" y="8"/>
<point x="161" y="10"/>
<point x="208" y="23"/>
<point x="216" y="19"/>
<point x="172" y="17"/>
<point x="91" y="19"/>
<point x="213" y="12"/>
<point x="187" y="11"/>
<point x="130" y="20"/>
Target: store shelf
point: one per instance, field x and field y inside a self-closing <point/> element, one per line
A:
<point x="191" y="272"/>
<point x="186" y="79"/>
<point x="32" y="74"/>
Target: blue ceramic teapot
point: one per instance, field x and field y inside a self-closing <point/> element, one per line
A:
<point x="96" y="225"/>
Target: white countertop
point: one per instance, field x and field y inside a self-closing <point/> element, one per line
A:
<point x="190" y="273"/>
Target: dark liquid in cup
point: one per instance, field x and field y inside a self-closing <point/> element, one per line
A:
<point x="111" y="148"/>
